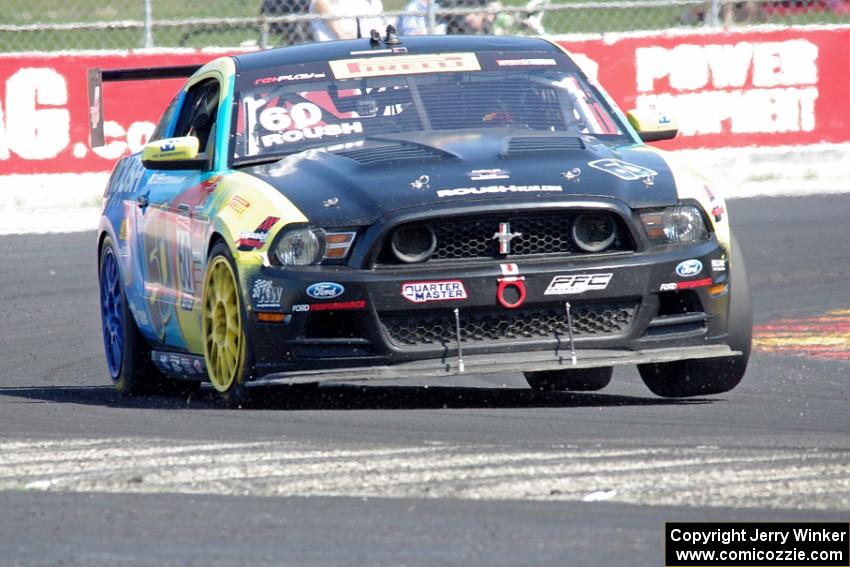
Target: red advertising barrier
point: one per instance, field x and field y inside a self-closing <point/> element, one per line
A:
<point x="758" y="88"/>
<point x="44" y="120"/>
<point x="766" y="88"/>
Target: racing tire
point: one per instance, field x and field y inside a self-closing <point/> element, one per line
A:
<point x="128" y="356"/>
<point x="226" y="354"/>
<point x="701" y="377"/>
<point x="579" y="380"/>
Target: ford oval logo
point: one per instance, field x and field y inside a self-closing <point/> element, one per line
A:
<point x="325" y="290"/>
<point x="689" y="268"/>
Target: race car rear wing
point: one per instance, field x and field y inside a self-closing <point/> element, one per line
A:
<point x="98" y="76"/>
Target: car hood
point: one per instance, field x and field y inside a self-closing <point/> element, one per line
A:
<point x="355" y="184"/>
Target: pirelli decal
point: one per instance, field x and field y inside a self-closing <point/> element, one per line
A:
<point x="404" y="65"/>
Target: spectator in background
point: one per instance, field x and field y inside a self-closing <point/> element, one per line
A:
<point x="418" y="25"/>
<point x="290" y="32"/>
<point x="346" y="28"/>
<point x="474" y="23"/>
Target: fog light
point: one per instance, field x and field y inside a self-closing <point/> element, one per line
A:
<point x="594" y="232"/>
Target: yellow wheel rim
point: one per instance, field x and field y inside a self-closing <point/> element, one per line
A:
<point x="222" y="326"/>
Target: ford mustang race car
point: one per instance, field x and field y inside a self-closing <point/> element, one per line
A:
<point x="394" y="208"/>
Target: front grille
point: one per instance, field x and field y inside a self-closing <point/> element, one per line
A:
<point x="472" y="237"/>
<point x="495" y="324"/>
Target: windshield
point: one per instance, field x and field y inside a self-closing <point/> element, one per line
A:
<point x="299" y="107"/>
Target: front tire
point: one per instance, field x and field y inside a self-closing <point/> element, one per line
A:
<point x="579" y="380"/>
<point x="702" y="377"/>
<point x="226" y="353"/>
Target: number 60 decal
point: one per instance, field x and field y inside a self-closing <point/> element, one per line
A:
<point x="301" y="115"/>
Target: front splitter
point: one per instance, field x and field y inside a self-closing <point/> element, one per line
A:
<point x="495" y="364"/>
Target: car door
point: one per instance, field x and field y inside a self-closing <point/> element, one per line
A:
<point x="173" y="224"/>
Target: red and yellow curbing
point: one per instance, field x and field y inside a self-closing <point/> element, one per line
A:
<point x="821" y="336"/>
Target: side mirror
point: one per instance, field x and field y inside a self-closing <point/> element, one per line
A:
<point x="653" y="126"/>
<point x="173" y="153"/>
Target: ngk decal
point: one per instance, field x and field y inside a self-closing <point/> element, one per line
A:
<point x="740" y="88"/>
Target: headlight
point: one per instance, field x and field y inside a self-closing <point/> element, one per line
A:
<point x="675" y="224"/>
<point x="300" y="247"/>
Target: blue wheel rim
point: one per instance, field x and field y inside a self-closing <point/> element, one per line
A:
<point x="112" y="313"/>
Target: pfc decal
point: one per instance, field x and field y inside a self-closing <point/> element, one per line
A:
<point x="674" y="286"/>
<point x="336" y="306"/>
<point x="256" y="239"/>
<point x="577" y="283"/>
<point x="266" y="294"/>
<point x="325" y="290"/>
<point x="689" y="268"/>
<point x="623" y="169"/>
<point x="488" y="189"/>
<point x="423" y="292"/>
<point x="404" y="65"/>
<point x="239" y="204"/>
<point x="718" y="265"/>
<point x="423" y="182"/>
<point x="526" y="62"/>
<point x="488" y="174"/>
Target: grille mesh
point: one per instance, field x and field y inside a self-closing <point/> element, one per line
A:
<point x="463" y="238"/>
<point x="419" y="328"/>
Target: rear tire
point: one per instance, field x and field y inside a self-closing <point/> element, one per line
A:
<point x="579" y="380"/>
<point x="128" y="356"/>
<point x="702" y="377"/>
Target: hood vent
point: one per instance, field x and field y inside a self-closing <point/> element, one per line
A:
<point x="534" y="144"/>
<point x="392" y="153"/>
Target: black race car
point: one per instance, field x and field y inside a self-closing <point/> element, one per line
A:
<point x="393" y="208"/>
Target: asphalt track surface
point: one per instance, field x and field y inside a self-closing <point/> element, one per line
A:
<point x="479" y="471"/>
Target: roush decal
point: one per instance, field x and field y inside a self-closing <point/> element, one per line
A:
<point x="266" y="294"/>
<point x="255" y="240"/>
<point x="423" y="292"/>
<point x="491" y="189"/>
<point x="689" y="268"/>
<point x="336" y="306"/>
<point x="325" y="290"/>
<point x="718" y="265"/>
<point x="404" y="65"/>
<point x="623" y="169"/>
<point x="311" y="133"/>
<point x="570" y="284"/>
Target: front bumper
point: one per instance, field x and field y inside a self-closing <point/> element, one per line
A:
<point x="354" y="342"/>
